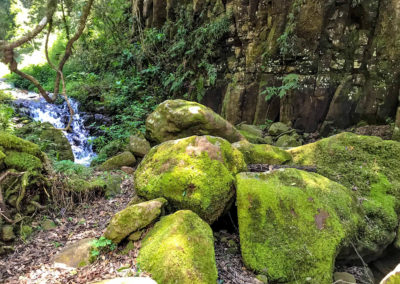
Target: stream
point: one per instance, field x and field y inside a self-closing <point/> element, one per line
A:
<point x="34" y="106"/>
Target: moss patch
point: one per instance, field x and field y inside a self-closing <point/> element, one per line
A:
<point x="368" y="166"/>
<point x="11" y="142"/>
<point x="179" y="249"/>
<point x="293" y="223"/>
<point x="22" y="161"/>
<point x="196" y="173"/>
<point x="262" y="153"/>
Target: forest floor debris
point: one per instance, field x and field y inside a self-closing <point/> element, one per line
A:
<point x="31" y="261"/>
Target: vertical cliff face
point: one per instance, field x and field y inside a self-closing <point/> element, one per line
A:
<point x="346" y="54"/>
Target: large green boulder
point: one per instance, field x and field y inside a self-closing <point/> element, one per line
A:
<point x="179" y="249"/>
<point x="133" y="218"/>
<point x="175" y="119"/>
<point x="196" y="173"/>
<point x="369" y="167"/>
<point x="51" y="140"/>
<point x="118" y="161"/>
<point x="262" y="153"/>
<point x="14" y="143"/>
<point x="292" y="224"/>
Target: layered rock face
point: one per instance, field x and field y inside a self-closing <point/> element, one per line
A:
<point x="343" y="52"/>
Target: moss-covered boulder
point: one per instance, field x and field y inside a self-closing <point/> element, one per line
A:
<point x="133" y="218"/>
<point x="118" y="161"/>
<point x="13" y="143"/>
<point x="369" y="167"/>
<point x="262" y="153"/>
<point x="252" y="133"/>
<point x="175" y="119"/>
<point x="393" y="277"/>
<point x="195" y="173"/>
<point x="179" y="249"/>
<point x="7" y="233"/>
<point x="76" y="254"/>
<point x="138" y="146"/>
<point x="52" y="141"/>
<point x="293" y="223"/>
<point x="278" y="128"/>
<point x="287" y="141"/>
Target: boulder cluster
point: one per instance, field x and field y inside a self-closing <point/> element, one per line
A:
<point x="293" y="224"/>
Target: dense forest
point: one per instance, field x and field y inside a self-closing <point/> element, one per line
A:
<point x="204" y="141"/>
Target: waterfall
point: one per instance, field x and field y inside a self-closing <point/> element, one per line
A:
<point x="33" y="105"/>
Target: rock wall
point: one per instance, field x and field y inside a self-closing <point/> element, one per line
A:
<point x="345" y="52"/>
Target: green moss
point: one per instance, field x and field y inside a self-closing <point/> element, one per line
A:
<point x="195" y="173"/>
<point x="262" y="153"/>
<point x="133" y="218"/>
<point x="11" y="142"/>
<point x="175" y="119"/>
<point x="50" y="140"/>
<point x="292" y="224"/>
<point x="368" y="166"/>
<point x="252" y="138"/>
<point x="118" y="161"/>
<point x="2" y="156"/>
<point x="179" y="249"/>
<point x="22" y="161"/>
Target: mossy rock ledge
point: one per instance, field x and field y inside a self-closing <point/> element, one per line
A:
<point x="262" y="153"/>
<point x="179" y="249"/>
<point x="195" y="173"/>
<point x="175" y="119"/>
<point x="369" y="167"/>
<point x="293" y="223"/>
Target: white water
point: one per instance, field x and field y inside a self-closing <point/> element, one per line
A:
<point x="33" y="105"/>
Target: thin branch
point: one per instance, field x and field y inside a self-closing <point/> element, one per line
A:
<point x="51" y="8"/>
<point x="68" y="49"/>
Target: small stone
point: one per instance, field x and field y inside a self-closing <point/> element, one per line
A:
<point x="48" y="225"/>
<point x="138" y="146"/>
<point x="278" y="128"/>
<point x="133" y="218"/>
<point x="75" y="255"/>
<point x="262" y="278"/>
<point x="135" y="236"/>
<point x="118" y="161"/>
<point x="343" y="278"/>
<point x="128" y="170"/>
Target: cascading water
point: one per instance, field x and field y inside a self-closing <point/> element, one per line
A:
<point x="33" y="105"/>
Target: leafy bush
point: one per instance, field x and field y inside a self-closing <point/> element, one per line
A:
<point x="101" y="245"/>
<point x="289" y="82"/>
<point x="6" y="113"/>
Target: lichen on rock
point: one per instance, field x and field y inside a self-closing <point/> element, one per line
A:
<point x="292" y="224"/>
<point x="196" y="173"/>
<point x="179" y="249"/>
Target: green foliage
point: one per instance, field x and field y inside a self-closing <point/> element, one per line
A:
<point x="289" y="82"/>
<point x="6" y="113"/>
<point x="69" y="168"/>
<point x="288" y="39"/>
<point x="7" y="19"/>
<point x="101" y="245"/>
